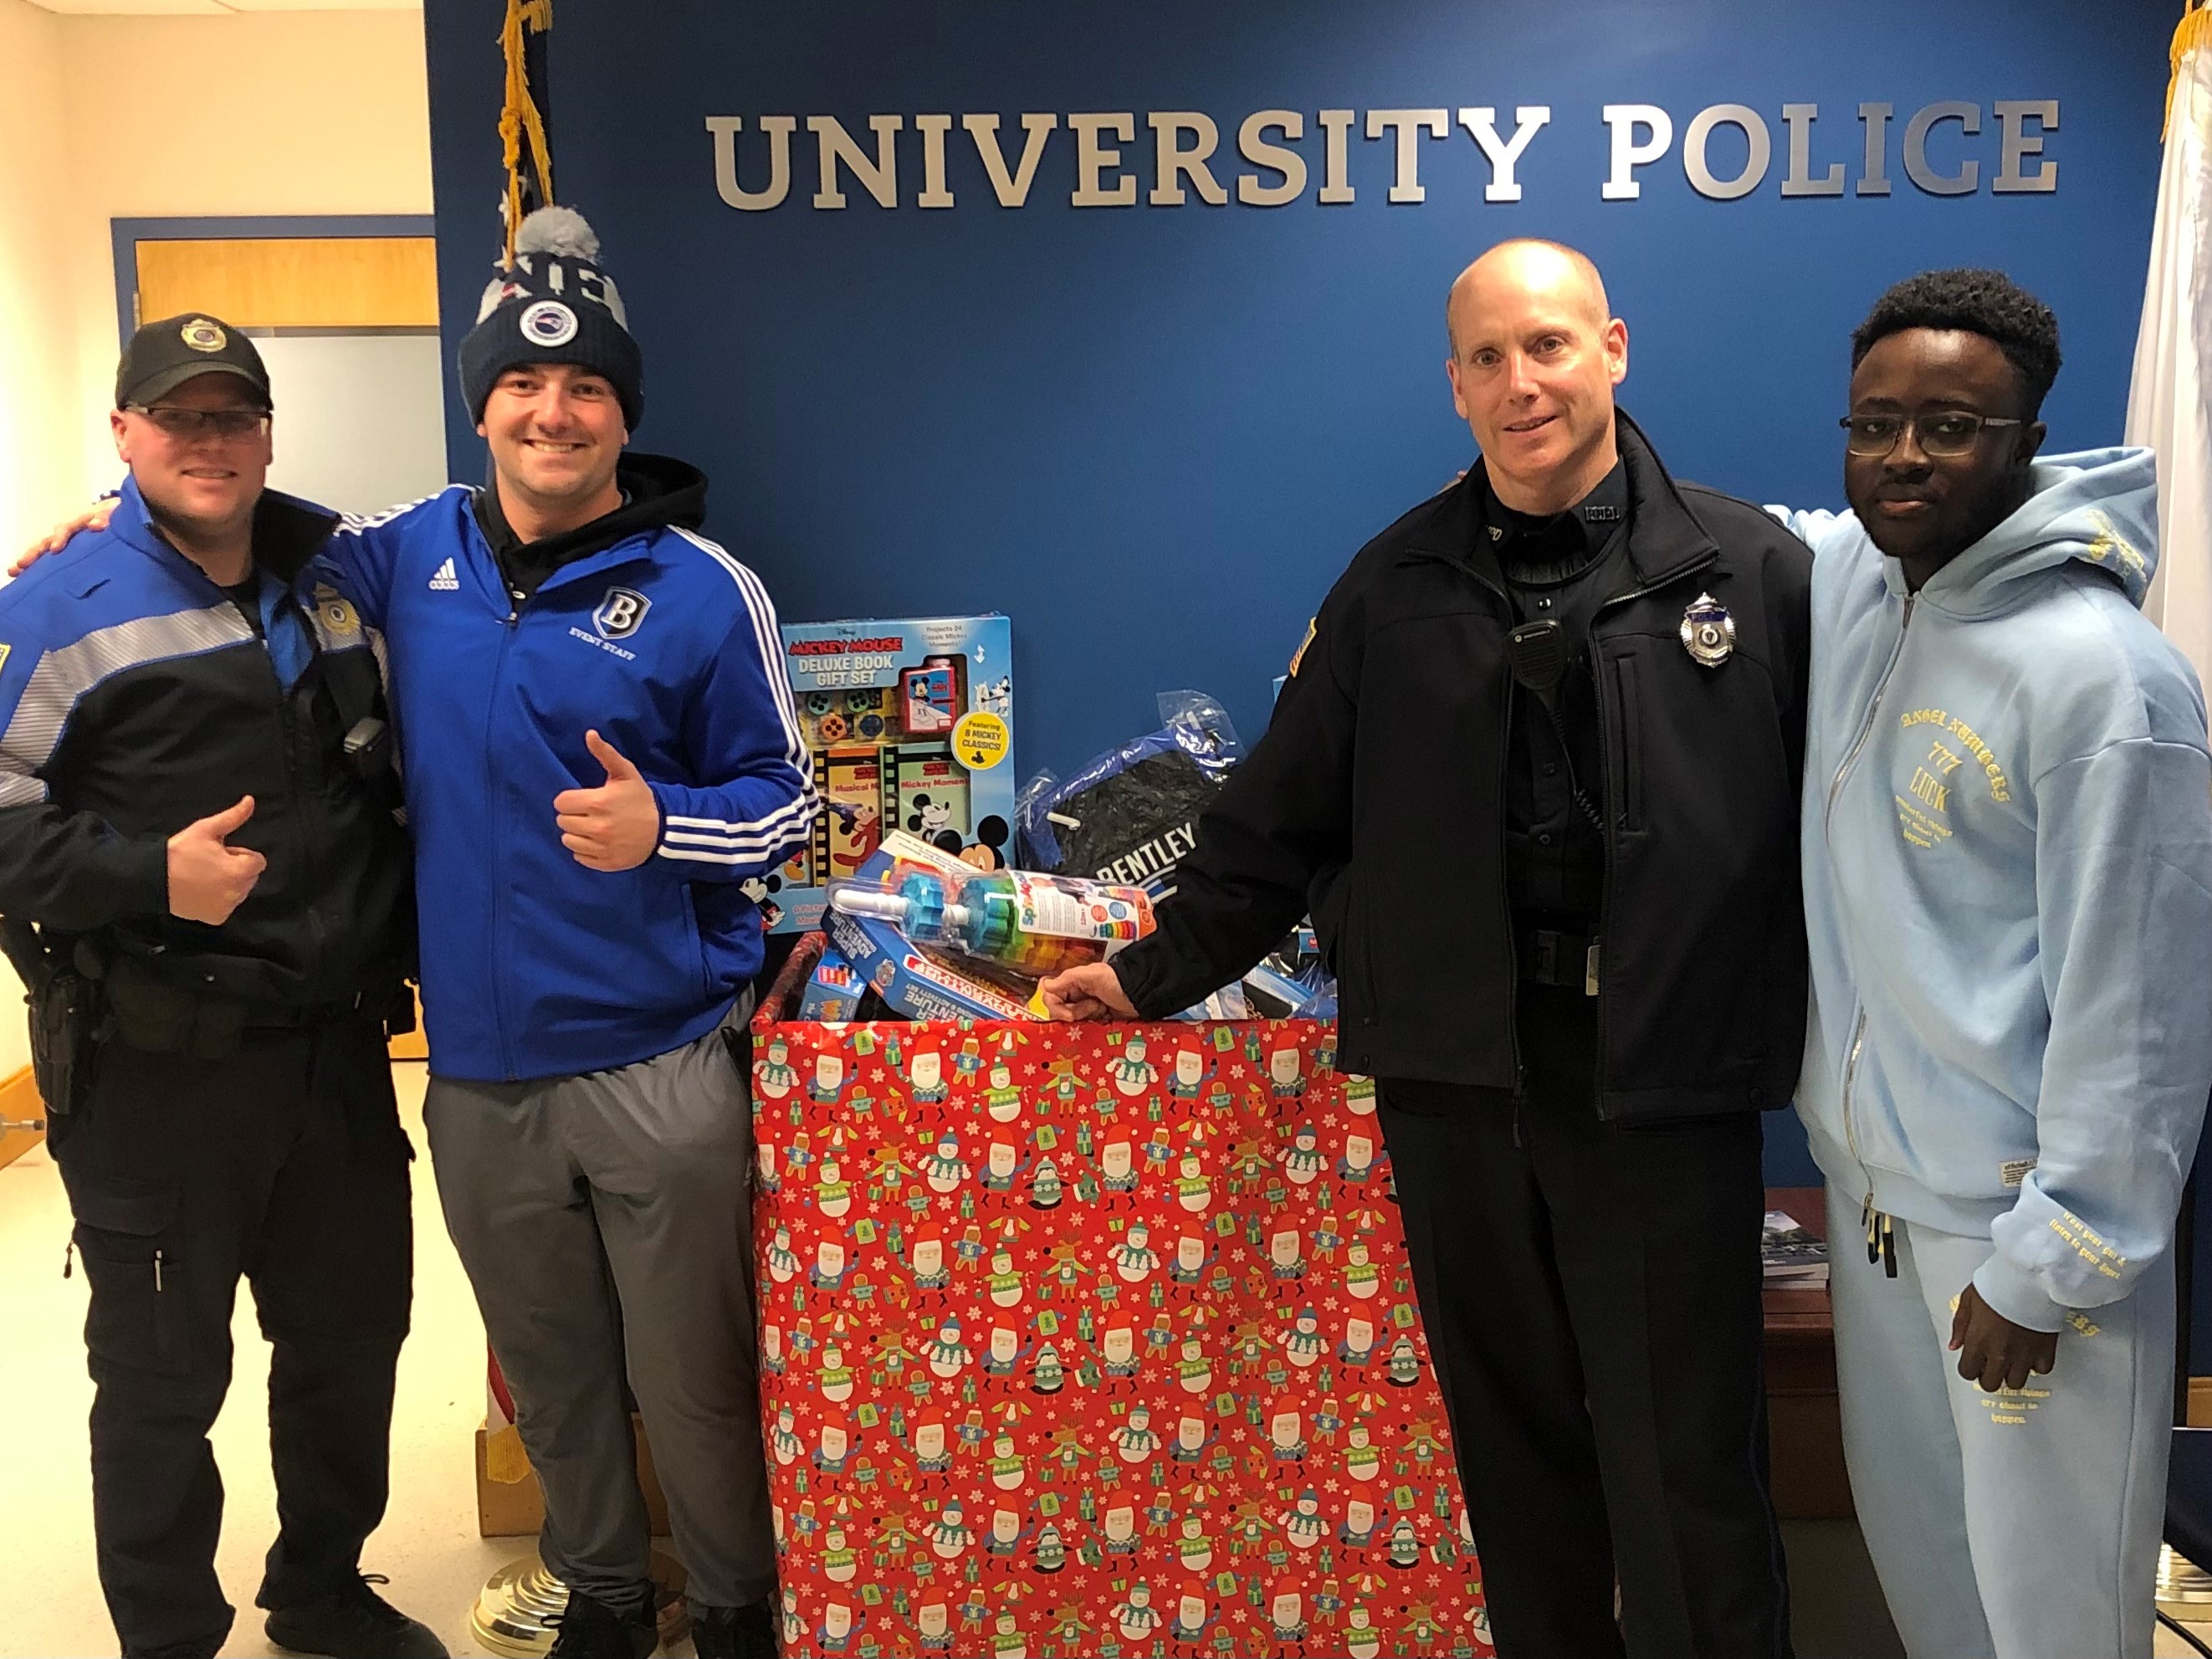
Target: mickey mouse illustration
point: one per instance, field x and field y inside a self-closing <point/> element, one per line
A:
<point x="757" y="888"/>
<point x="929" y="820"/>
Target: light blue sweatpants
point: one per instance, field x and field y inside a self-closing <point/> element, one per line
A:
<point x="2006" y="1526"/>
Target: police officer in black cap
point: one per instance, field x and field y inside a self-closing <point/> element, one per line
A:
<point x="1536" y="772"/>
<point x="207" y="891"/>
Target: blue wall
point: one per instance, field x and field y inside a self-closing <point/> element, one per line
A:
<point x="1154" y="435"/>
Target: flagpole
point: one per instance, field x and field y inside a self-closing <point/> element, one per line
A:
<point x="2170" y="411"/>
<point x="2172" y="372"/>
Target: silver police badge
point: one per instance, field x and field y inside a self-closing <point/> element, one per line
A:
<point x="1708" y="631"/>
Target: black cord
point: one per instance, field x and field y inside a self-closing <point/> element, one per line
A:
<point x="2185" y="1633"/>
<point x="1567" y="754"/>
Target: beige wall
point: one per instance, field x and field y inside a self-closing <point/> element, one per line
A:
<point x="41" y="453"/>
<point x="314" y="112"/>
<point x="317" y="113"/>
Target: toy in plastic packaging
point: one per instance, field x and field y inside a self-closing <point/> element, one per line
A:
<point x="1027" y="924"/>
<point x="1131" y="814"/>
<point x="916" y="981"/>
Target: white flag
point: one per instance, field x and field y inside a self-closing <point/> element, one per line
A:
<point x="2170" y="398"/>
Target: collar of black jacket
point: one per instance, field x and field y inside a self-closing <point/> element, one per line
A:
<point x="660" y="491"/>
<point x="288" y="533"/>
<point x="1665" y="539"/>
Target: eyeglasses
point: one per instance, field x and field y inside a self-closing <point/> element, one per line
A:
<point x="1943" y="432"/>
<point x="187" y="424"/>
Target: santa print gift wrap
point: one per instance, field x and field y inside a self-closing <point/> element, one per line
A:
<point x="1094" y="1339"/>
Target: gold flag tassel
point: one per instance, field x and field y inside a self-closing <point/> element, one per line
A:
<point x="520" y="116"/>
<point x="2195" y="31"/>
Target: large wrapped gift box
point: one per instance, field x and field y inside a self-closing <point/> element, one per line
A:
<point x="1095" y="1340"/>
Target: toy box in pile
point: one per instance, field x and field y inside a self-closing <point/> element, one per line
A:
<point x="910" y="727"/>
<point x="1093" y="1340"/>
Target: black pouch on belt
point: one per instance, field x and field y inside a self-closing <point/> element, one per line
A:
<point x="157" y="1018"/>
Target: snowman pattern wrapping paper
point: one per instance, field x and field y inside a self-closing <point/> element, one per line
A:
<point x="1095" y="1340"/>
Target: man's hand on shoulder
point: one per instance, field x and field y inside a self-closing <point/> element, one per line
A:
<point x="207" y="878"/>
<point x="95" y="517"/>
<point x="1093" y="992"/>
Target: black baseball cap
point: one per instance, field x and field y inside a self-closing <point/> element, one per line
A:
<point x="163" y="355"/>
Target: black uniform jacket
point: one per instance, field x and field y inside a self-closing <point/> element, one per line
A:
<point x="136" y="699"/>
<point x="1375" y="800"/>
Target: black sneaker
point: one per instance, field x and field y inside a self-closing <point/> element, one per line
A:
<point x="354" y="1623"/>
<point x="747" y="1633"/>
<point x="591" y="1629"/>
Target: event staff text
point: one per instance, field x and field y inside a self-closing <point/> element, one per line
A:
<point x="1726" y="151"/>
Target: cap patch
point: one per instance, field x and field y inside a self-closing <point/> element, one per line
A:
<point x="548" y="323"/>
<point x="202" y="334"/>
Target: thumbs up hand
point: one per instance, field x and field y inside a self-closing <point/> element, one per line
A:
<point x="208" y="879"/>
<point x="614" y="826"/>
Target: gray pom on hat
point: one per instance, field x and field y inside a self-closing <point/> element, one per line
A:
<point x="560" y="231"/>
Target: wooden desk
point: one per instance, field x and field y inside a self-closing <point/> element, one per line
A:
<point x="1804" y="1430"/>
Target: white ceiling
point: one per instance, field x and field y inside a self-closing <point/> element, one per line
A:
<point x="216" y="8"/>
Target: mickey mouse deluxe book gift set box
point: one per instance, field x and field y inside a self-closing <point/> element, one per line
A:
<point x="910" y="727"/>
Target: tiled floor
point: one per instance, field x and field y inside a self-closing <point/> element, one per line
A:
<point x="428" y="1544"/>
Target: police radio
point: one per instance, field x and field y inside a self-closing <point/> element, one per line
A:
<point x="1537" y="653"/>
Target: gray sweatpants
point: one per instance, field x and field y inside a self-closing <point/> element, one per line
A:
<point x="605" y="1223"/>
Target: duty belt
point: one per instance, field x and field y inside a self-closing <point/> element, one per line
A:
<point x="157" y="1016"/>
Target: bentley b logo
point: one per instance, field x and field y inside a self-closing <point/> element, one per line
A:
<point x="620" y="613"/>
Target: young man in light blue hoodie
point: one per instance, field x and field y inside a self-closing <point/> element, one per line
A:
<point x="2007" y="866"/>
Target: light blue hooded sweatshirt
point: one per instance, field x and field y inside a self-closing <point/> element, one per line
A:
<point x="2008" y="864"/>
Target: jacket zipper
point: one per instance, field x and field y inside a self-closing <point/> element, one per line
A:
<point x="1851" y="1078"/>
<point x="1505" y="886"/>
<point x="1866" y="728"/>
<point x="287" y="733"/>
<point x="1881" y="1235"/>
<point x="1613" y="744"/>
<point x="495" y="819"/>
<point x="1512" y="938"/>
<point x="1879" y="1238"/>
<point x="311" y="876"/>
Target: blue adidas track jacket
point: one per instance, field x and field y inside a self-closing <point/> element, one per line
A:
<point x="532" y="965"/>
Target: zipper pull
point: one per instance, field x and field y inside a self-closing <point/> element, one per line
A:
<point x="1888" y="1248"/>
<point x="69" y="1258"/>
<point x="157" y="1271"/>
<point x="1868" y="1220"/>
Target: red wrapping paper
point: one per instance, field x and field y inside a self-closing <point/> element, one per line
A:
<point x="1095" y="1340"/>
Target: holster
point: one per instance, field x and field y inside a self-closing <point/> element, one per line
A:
<point x="64" y="1020"/>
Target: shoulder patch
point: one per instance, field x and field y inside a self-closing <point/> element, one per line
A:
<point x="1313" y="627"/>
